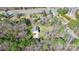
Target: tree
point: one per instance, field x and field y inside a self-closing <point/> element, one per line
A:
<point x="77" y="14"/>
<point x="27" y="22"/>
<point x="56" y="21"/>
<point x="62" y="11"/>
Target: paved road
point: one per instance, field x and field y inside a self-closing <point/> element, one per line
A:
<point x="72" y="11"/>
<point x="70" y="32"/>
<point x="31" y="11"/>
<point x="71" y="37"/>
<point x="28" y="11"/>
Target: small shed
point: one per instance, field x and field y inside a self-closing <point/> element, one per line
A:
<point x="36" y="31"/>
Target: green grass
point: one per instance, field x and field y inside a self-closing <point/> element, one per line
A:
<point x="76" y="42"/>
<point x="73" y="23"/>
<point x="43" y="29"/>
<point x="58" y="41"/>
<point x="61" y="30"/>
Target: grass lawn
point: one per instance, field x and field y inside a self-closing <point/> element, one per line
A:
<point x="73" y="23"/>
<point x="44" y="29"/>
<point x="76" y="43"/>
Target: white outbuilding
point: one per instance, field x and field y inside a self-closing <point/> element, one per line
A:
<point x="36" y="32"/>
